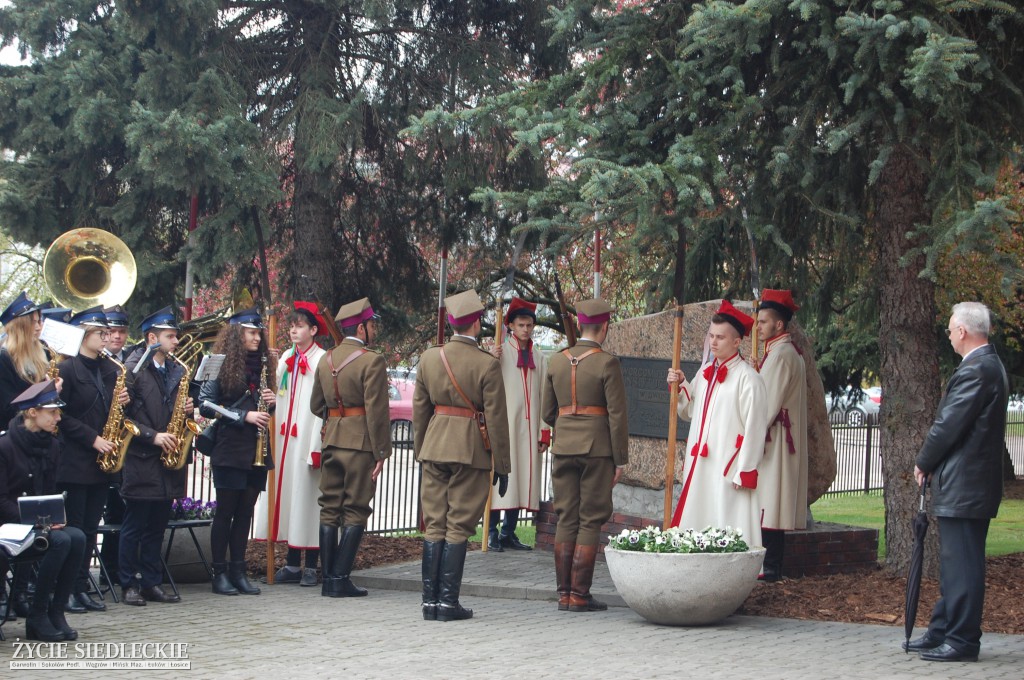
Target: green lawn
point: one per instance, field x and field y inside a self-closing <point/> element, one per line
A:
<point x="1005" y="535"/>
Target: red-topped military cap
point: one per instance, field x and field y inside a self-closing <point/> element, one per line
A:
<point x="780" y="301"/>
<point x="520" y="307"/>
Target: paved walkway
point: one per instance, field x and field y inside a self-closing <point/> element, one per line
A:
<point x="292" y="632"/>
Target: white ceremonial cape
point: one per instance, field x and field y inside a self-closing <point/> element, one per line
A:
<point x="725" y="446"/>
<point x="297" y="488"/>
<point x="782" y="482"/>
<point x="522" y="401"/>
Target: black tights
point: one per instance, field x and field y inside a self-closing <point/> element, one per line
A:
<point x="231" y="523"/>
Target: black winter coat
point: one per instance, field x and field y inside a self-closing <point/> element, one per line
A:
<point x="28" y="467"/>
<point x="964" y="448"/>
<point x="11" y="385"/>
<point x="144" y="476"/>
<point x="84" y="416"/>
<point x="236" y="440"/>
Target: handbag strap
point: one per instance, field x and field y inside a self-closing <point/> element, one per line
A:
<point x="335" y="371"/>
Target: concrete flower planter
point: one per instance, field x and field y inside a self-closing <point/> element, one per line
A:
<point x="677" y="589"/>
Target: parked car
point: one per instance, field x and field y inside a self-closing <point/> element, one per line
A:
<point x="852" y="408"/>
<point x="400" y="404"/>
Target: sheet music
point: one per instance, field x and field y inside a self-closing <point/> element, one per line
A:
<point x="62" y="337"/>
<point x="209" y="369"/>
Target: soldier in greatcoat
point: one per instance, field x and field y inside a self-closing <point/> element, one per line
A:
<point x="458" y="389"/>
<point x="351" y="395"/>
<point x="585" y="402"/>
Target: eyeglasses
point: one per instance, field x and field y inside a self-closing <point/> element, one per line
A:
<point x="949" y="331"/>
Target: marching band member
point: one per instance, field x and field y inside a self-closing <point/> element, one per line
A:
<point x="117" y="339"/>
<point x="244" y="379"/>
<point x="297" y="515"/>
<point x="28" y="465"/>
<point x="23" y="359"/>
<point x="89" y="382"/>
<point x="147" y="486"/>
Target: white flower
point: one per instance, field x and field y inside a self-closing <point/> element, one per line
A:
<point x="634" y="537"/>
<point x="660" y="540"/>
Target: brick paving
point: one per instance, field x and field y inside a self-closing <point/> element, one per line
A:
<point x="517" y="632"/>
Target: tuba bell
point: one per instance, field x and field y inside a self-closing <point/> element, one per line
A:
<point x="87" y="267"/>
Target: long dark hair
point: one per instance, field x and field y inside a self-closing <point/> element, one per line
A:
<point x="231" y="343"/>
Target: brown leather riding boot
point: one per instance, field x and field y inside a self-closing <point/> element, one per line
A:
<point x="580" y="599"/>
<point x="563" y="572"/>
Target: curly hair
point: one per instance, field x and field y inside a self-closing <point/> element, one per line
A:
<point x="231" y="343"/>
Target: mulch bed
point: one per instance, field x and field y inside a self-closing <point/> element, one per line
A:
<point x="869" y="597"/>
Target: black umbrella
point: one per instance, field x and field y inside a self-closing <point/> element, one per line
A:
<point x="916" y="567"/>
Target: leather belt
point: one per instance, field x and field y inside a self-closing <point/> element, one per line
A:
<point x="576" y="410"/>
<point x="347" y="412"/>
<point x="458" y="411"/>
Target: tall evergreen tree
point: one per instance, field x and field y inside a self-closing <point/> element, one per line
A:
<point x="851" y="136"/>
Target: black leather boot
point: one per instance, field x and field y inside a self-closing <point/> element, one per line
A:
<point x="328" y="548"/>
<point x="239" y="579"/>
<point x="431" y="568"/>
<point x="494" y="541"/>
<point x="37" y="624"/>
<point x="453" y="560"/>
<point x="344" y="558"/>
<point x="221" y="583"/>
<point x="56" y="614"/>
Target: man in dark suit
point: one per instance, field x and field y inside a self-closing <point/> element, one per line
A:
<point x="585" y="403"/>
<point x="455" y="386"/>
<point x="351" y="394"/>
<point x="962" y="457"/>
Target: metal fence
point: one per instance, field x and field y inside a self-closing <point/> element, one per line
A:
<point x="859" y="454"/>
<point x="396" y="502"/>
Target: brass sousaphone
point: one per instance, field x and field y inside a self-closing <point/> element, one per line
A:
<point x="87" y="267"/>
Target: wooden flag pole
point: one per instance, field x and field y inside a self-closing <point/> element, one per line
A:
<point x="271" y="478"/>
<point x="673" y="418"/>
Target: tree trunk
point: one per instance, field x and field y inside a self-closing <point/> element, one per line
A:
<point x="314" y="217"/>
<point x="909" y="351"/>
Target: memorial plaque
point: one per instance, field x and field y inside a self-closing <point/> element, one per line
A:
<point x="647" y="396"/>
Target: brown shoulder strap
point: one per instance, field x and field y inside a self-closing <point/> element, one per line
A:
<point x="451" y="376"/>
<point x="573" y="362"/>
<point x="335" y="371"/>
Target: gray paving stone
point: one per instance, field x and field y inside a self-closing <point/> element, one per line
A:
<point x="293" y="632"/>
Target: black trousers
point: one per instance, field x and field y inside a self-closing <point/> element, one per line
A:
<point x="508" y="527"/>
<point x="142" y="537"/>
<point x="58" y="566"/>
<point x="84" y="507"/>
<point x="957" y="615"/>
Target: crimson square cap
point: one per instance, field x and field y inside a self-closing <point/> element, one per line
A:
<point x="593" y="311"/>
<point x="355" y="313"/>
<point x="735" y="318"/>
<point x="313" y="310"/>
<point x="520" y="307"/>
<point x="780" y="301"/>
<point x="464" y="308"/>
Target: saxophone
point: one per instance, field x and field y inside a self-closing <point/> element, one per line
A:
<point x="118" y="430"/>
<point x="183" y="428"/>
<point x="261" y="407"/>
